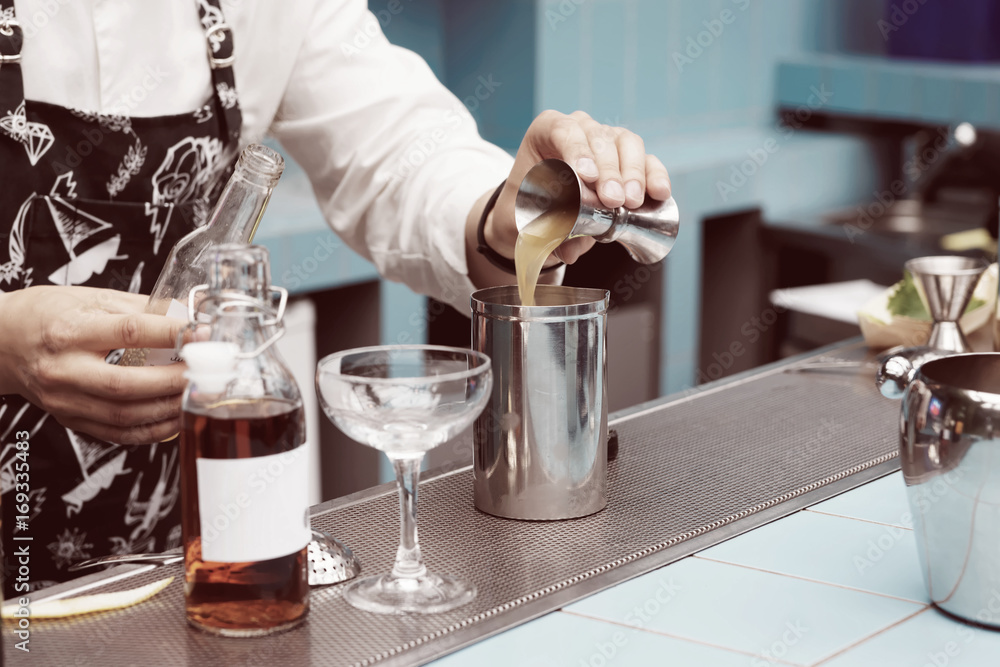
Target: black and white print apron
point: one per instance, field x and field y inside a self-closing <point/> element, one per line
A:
<point x="98" y="200"/>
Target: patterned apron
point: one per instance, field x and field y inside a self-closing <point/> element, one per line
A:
<point x="97" y="200"/>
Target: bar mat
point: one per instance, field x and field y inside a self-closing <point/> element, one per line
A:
<point x="697" y="463"/>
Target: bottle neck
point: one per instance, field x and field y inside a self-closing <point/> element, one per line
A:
<point x="239" y="210"/>
<point x="245" y="328"/>
<point x="261" y="372"/>
<point x="241" y="206"/>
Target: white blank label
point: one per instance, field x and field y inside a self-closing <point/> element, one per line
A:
<point x="253" y="509"/>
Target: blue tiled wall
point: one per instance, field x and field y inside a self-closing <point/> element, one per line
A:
<point x="695" y="78"/>
<point x="417" y="25"/>
<point x="663" y="68"/>
<point x="467" y="43"/>
<point x="659" y="67"/>
<point x="490" y="64"/>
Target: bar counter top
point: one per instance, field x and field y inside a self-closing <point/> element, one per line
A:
<point x="835" y="584"/>
<point x="758" y="520"/>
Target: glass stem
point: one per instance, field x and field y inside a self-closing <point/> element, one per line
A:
<point x="409" y="564"/>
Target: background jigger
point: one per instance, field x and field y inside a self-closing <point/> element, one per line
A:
<point x="945" y="284"/>
<point x="647" y="232"/>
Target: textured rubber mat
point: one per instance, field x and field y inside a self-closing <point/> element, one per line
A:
<point x="684" y="469"/>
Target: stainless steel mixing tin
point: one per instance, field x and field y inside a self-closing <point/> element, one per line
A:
<point x="541" y="443"/>
<point x="950" y="455"/>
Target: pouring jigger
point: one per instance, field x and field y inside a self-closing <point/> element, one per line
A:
<point x="648" y="232"/>
<point x="945" y="284"/>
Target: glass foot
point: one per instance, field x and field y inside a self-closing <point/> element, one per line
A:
<point x="429" y="594"/>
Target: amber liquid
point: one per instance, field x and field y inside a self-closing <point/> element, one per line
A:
<point x="534" y="245"/>
<point x="240" y="599"/>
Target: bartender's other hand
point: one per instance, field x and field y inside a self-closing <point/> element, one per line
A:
<point x="611" y="160"/>
<point x="53" y="341"/>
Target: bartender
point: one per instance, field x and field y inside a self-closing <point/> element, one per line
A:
<point x="118" y="124"/>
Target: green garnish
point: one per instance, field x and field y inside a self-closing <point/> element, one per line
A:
<point x="904" y="300"/>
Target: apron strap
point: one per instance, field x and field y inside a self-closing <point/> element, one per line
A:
<point x="221" y="54"/>
<point x="11" y="39"/>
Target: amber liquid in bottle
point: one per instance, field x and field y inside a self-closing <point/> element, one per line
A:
<point x="240" y="599"/>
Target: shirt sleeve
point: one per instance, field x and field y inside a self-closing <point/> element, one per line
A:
<point x="395" y="159"/>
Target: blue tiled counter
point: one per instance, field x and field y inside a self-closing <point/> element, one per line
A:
<point x="836" y="584"/>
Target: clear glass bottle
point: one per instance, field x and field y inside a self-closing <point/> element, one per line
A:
<point x="245" y="508"/>
<point x="234" y="220"/>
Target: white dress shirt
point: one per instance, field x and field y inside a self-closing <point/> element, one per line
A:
<point x="394" y="158"/>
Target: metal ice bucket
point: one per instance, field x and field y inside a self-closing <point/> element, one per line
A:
<point x="541" y="443"/>
<point x="950" y="455"/>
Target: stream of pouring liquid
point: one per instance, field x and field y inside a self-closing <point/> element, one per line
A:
<point x="534" y="244"/>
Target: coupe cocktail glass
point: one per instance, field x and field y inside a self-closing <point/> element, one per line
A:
<point x="405" y="400"/>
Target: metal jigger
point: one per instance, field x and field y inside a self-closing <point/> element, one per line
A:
<point x="648" y="232"/>
<point x="945" y="284"/>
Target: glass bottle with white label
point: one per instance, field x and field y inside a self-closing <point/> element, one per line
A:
<point x="234" y="220"/>
<point x="244" y="478"/>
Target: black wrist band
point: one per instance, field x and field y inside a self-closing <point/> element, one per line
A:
<point x="495" y="258"/>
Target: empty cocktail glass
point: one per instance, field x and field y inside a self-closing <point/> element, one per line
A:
<point x="405" y="400"/>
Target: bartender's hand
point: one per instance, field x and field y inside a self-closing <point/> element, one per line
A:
<point x="611" y="160"/>
<point x="53" y="341"/>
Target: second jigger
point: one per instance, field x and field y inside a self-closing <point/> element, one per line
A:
<point x="648" y="232"/>
<point x="945" y="284"/>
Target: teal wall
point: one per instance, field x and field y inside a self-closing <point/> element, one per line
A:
<point x="636" y="63"/>
<point x="417" y="25"/>
<point x="469" y="43"/>
<point x="700" y="81"/>
<point x="492" y="41"/>
<point x="695" y="78"/>
<point x="663" y="67"/>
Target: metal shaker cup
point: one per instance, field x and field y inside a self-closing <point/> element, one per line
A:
<point x="540" y="447"/>
<point x="950" y="455"/>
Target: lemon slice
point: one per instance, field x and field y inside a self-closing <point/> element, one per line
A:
<point x="86" y="604"/>
<point x="971" y="239"/>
